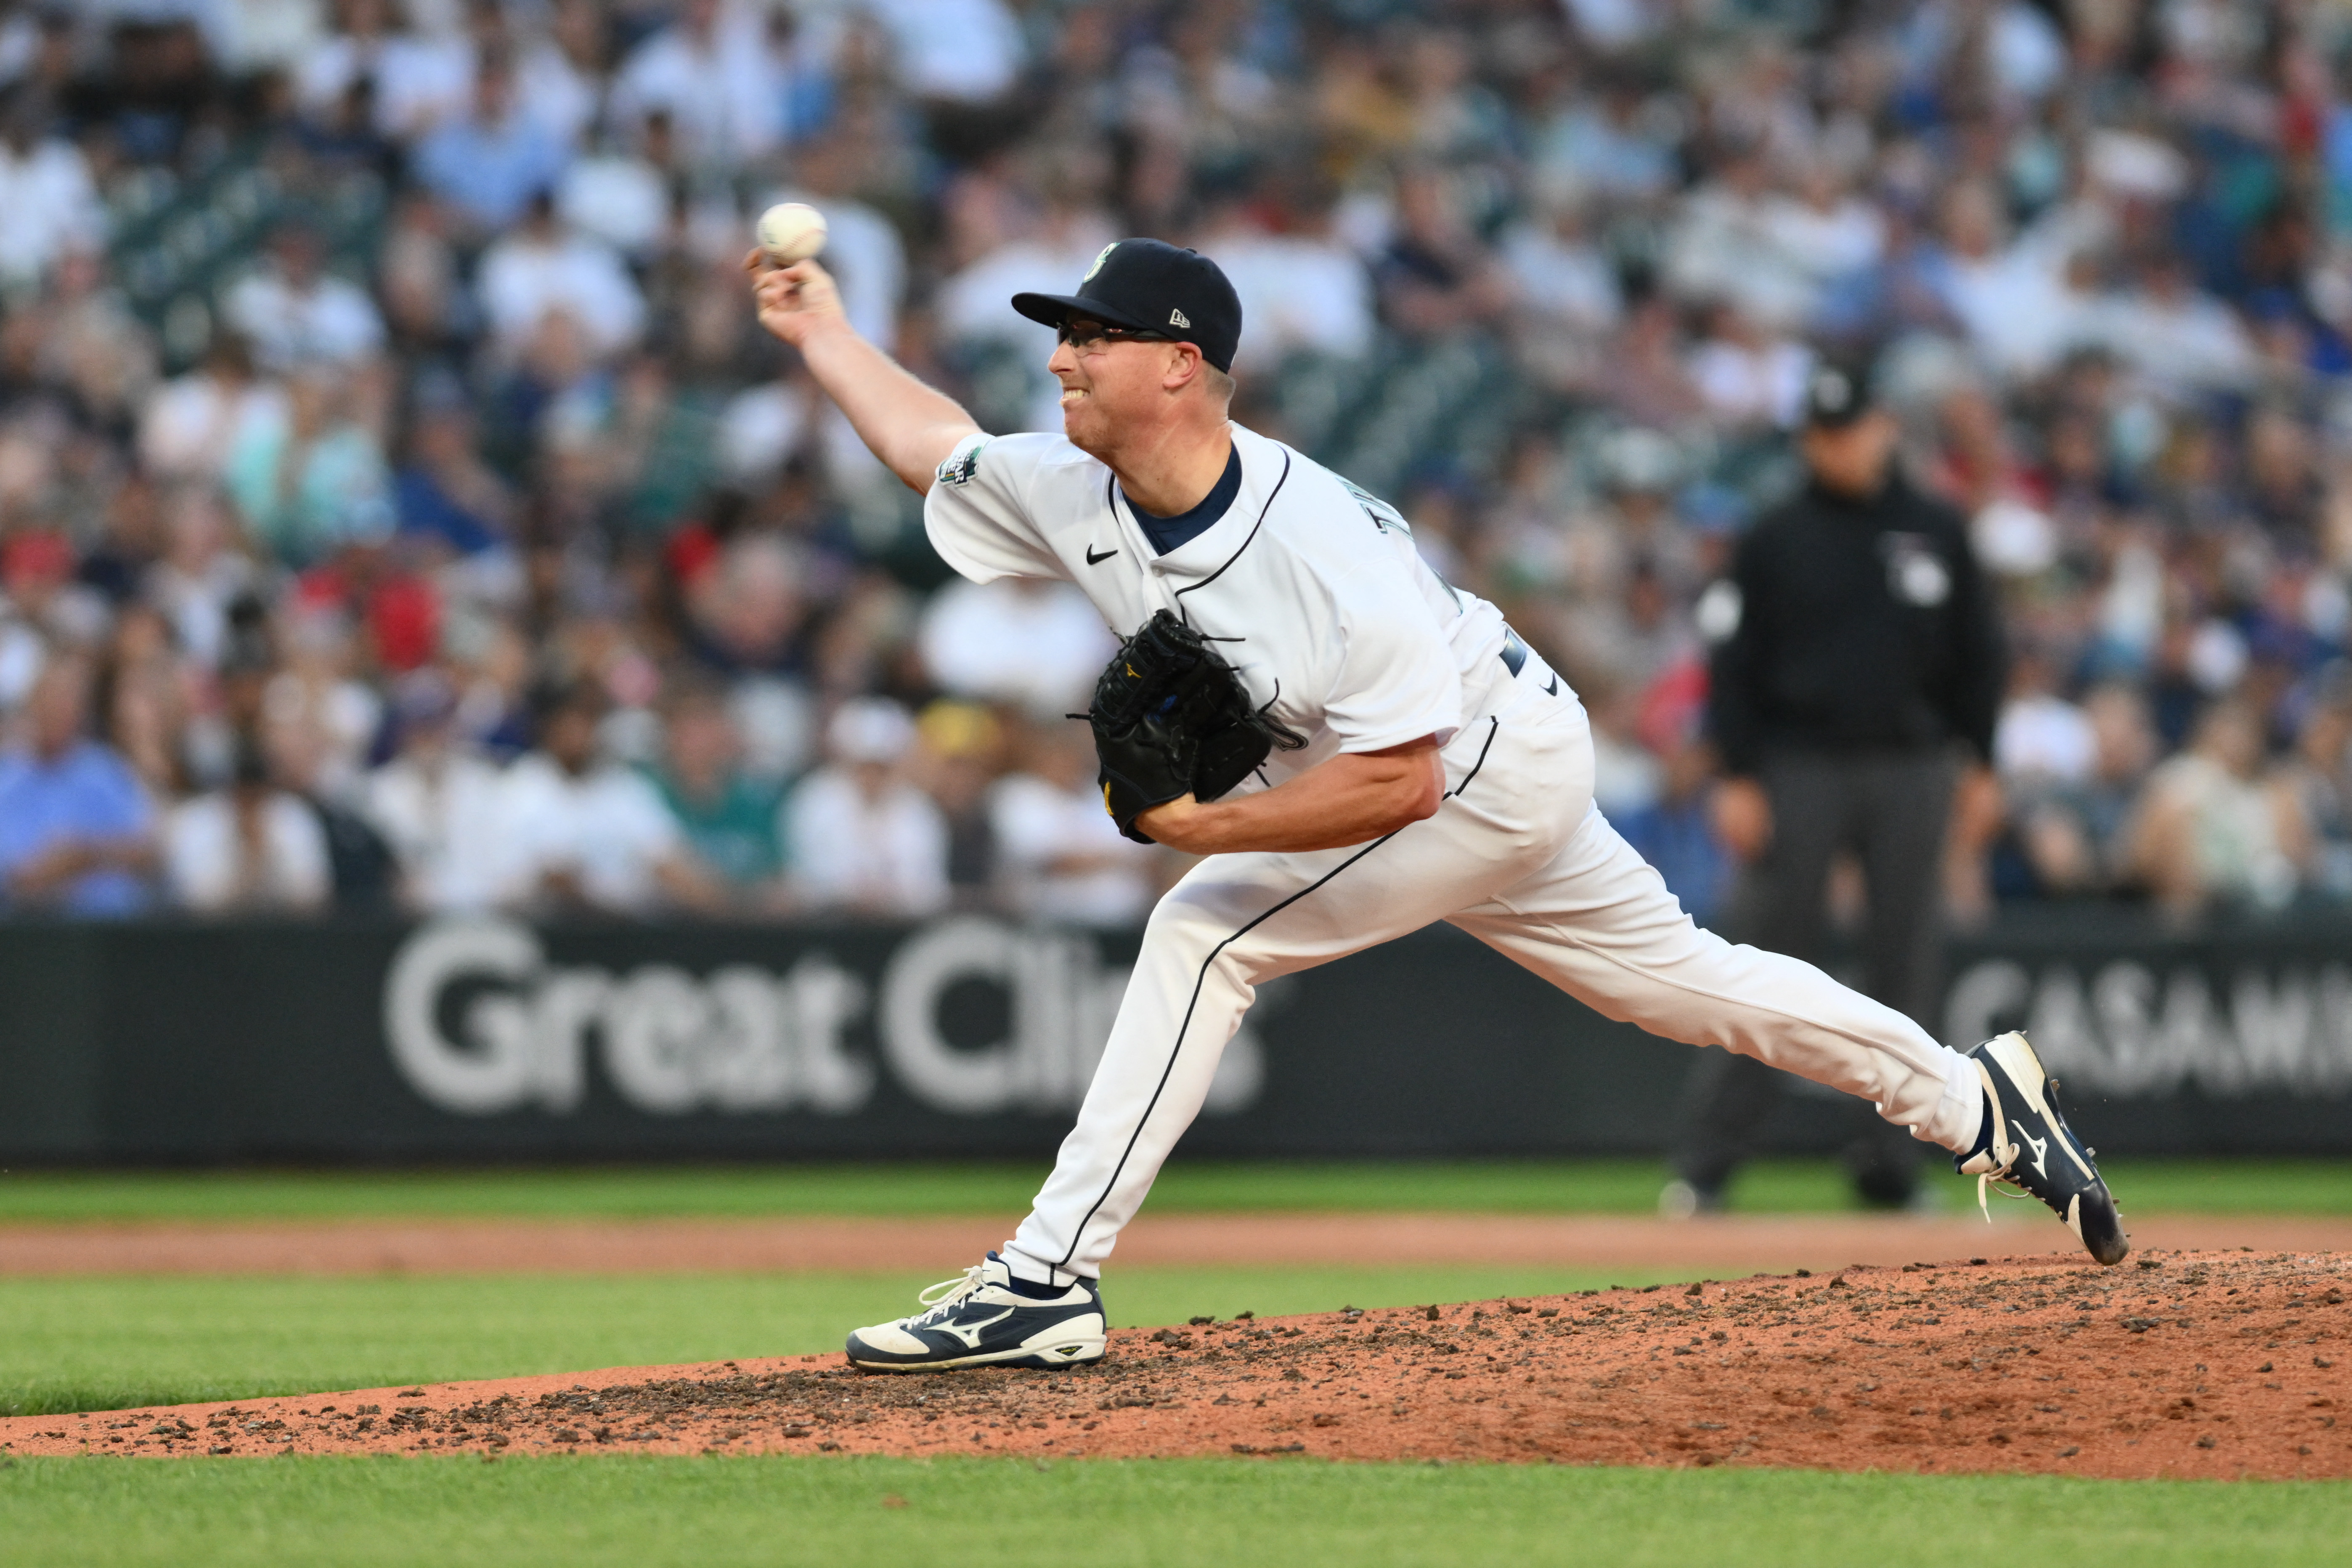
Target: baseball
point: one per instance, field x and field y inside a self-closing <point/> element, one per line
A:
<point x="791" y="231"/>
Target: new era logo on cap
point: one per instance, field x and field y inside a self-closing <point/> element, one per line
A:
<point x="1151" y="287"/>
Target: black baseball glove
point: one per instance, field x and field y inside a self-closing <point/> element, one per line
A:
<point x="1171" y="718"/>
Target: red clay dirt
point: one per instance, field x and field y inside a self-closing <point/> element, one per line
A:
<point x="1592" y="1242"/>
<point x="2209" y="1364"/>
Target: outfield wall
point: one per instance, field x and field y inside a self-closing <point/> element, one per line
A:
<point x="492" y="1040"/>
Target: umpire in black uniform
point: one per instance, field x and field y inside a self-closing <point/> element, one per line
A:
<point x="1858" y="655"/>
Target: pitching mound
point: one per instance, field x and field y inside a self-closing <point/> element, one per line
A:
<point x="2183" y="1363"/>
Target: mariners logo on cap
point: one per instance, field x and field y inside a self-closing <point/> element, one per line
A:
<point x="1101" y="257"/>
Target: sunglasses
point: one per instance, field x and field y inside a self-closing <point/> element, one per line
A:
<point x="1087" y="335"/>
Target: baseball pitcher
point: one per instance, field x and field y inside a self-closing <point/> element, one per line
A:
<point x="1354" y="747"/>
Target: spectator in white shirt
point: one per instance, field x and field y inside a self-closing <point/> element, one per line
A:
<point x="254" y="36"/>
<point x="2177" y="335"/>
<point x="418" y="77"/>
<point x="1823" y="227"/>
<point x="1563" y="279"/>
<point x="1721" y="246"/>
<point x="1750" y="378"/>
<point x="584" y="832"/>
<point x="975" y="305"/>
<point x="2016" y="301"/>
<point x="193" y="422"/>
<point x="438" y="804"/>
<point x="966" y="51"/>
<point x="622" y="195"/>
<point x="560" y="75"/>
<point x="46" y="190"/>
<point x="2040" y="739"/>
<point x="248" y="848"/>
<point x="860" y="839"/>
<point x="1060" y="857"/>
<point x="542" y="267"/>
<point x="295" y="313"/>
<point x="1301" y="291"/>
<point x="763" y="428"/>
<point x="1035" y="644"/>
<point x="713" y="69"/>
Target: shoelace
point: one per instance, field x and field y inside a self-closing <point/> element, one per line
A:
<point x="948" y="1294"/>
<point x="2006" y="1161"/>
<point x="1985" y="1184"/>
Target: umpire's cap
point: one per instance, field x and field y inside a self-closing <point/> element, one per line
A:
<point x="1151" y="286"/>
<point x="1837" y="393"/>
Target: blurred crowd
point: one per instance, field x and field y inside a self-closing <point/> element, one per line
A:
<point x="400" y="509"/>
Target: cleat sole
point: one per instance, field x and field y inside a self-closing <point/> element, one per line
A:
<point x="1068" y="1353"/>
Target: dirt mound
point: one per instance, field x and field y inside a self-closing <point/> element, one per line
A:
<point x="2184" y="1364"/>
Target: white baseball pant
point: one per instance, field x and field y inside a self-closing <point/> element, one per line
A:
<point x="1517" y="856"/>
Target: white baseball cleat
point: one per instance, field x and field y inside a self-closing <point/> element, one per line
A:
<point x="980" y="1321"/>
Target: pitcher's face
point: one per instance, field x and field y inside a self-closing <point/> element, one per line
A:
<point x="1113" y="381"/>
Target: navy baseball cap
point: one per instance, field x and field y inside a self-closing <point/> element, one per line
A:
<point x="1151" y="286"/>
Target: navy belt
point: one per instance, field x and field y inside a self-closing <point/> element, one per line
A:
<point x="1515" y="652"/>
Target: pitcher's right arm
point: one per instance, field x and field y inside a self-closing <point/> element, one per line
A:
<point x="910" y="426"/>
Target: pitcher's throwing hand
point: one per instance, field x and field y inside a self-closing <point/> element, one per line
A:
<point x="796" y="300"/>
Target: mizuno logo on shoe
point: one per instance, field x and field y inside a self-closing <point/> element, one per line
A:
<point x="970" y="1333"/>
<point x="2040" y="1151"/>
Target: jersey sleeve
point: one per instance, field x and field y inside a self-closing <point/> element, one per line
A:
<point x="1397" y="679"/>
<point x="979" y="513"/>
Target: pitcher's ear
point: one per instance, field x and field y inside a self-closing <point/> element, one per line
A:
<point x="1185" y="363"/>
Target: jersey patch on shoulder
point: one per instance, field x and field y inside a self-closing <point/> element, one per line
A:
<point x="963" y="462"/>
<point x="1384" y="516"/>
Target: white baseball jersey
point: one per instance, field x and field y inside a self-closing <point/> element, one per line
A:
<point x="1311" y="588"/>
<point x="1321" y="603"/>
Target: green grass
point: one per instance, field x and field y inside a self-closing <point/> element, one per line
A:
<point x="648" y="1512"/>
<point x="1533" y="1186"/>
<point x="80" y="1344"/>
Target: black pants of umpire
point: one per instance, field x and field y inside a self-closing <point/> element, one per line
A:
<point x="1891" y="810"/>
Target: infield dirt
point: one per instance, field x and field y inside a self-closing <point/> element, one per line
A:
<point x="2200" y="1364"/>
<point x="1596" y="1242"/>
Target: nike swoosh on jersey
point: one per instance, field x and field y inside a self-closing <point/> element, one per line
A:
<point x="1095" y="560"/>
